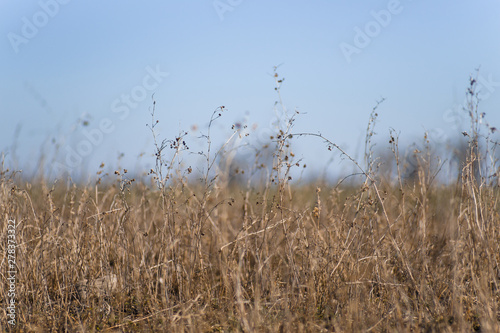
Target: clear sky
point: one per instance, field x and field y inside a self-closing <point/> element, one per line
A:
<point x="77" y="76"/>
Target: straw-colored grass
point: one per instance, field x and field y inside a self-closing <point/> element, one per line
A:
<point x="388" y="254"/>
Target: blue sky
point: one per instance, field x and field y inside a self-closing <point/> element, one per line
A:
<point x="67" y="66"/>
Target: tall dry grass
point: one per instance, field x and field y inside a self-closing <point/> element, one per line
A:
<point x="391" y="253"/>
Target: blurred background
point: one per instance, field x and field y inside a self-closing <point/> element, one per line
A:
<point x="78" y="77"/>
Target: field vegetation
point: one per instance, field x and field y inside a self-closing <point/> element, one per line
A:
<point x="242" y="247"/>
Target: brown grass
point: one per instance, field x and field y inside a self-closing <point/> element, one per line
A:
<point x="388" y="254"/>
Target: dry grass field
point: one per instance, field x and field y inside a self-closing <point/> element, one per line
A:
<point x="388" y="253"/>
